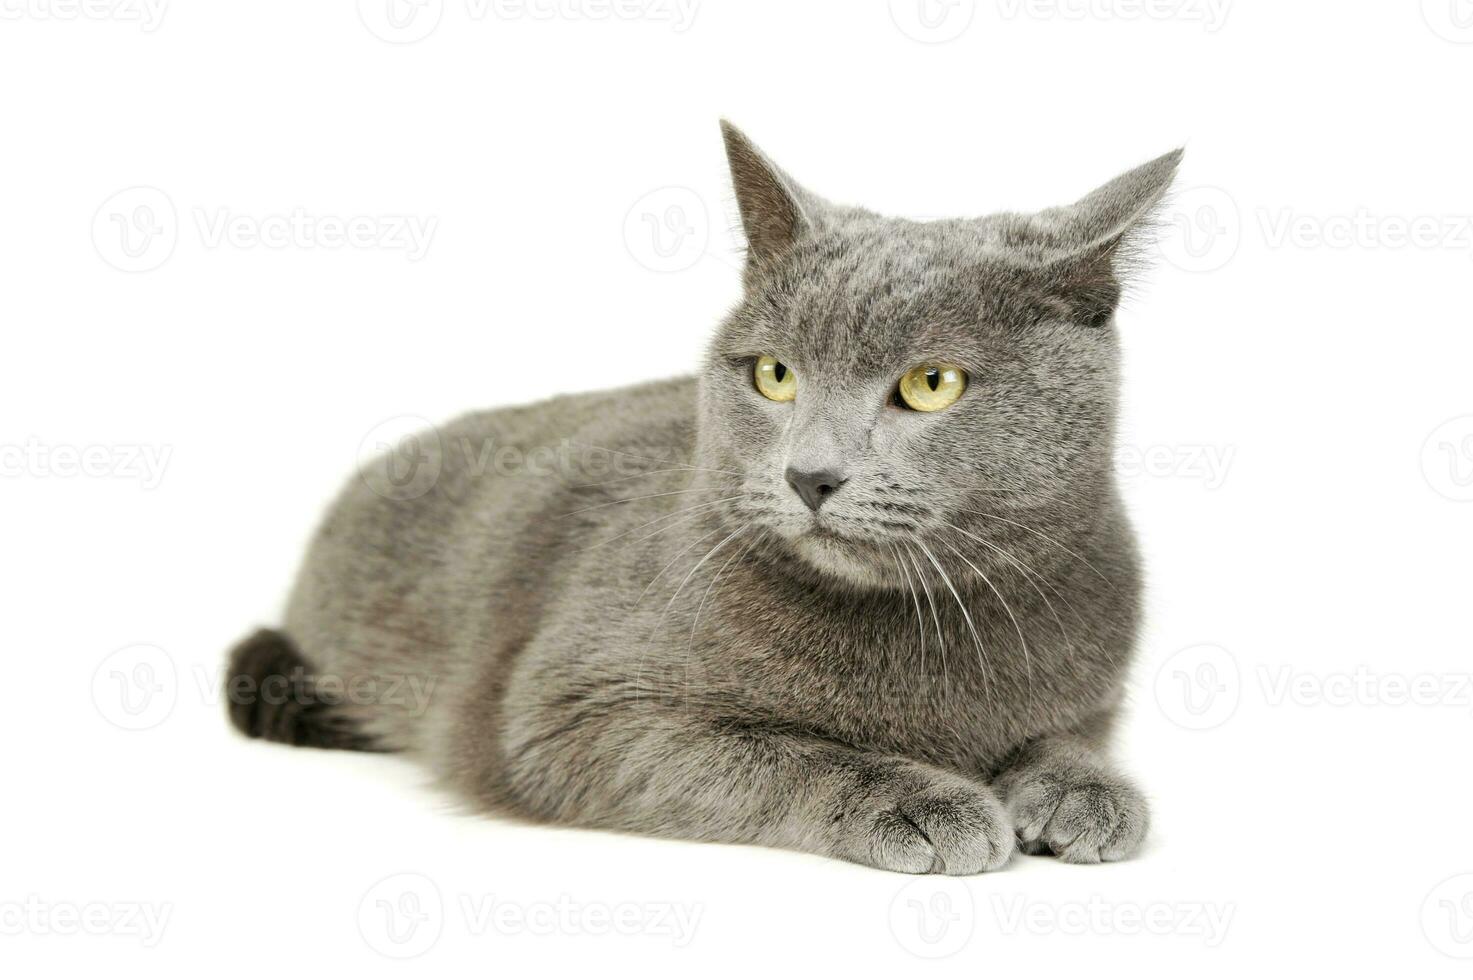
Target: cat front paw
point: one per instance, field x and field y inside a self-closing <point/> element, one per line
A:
<point x="924" y="821"/>
<point x="1080" y="813"/>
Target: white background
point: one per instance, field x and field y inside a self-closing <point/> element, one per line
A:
<point x="177" y="405"/>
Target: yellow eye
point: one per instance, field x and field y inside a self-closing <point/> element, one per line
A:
<point x="775" y="379"/>
<point x="932" y="387"/>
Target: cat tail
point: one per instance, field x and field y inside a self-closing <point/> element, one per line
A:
<point x="271" y="693"/>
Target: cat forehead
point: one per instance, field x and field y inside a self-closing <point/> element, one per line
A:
<point x="871" y="261"/>
<point x="855" y="242"/>
<point x="888" y="289"/>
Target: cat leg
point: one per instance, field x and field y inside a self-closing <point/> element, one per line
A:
<point x="665" y="775"/>
<point x="1067" y="799"/>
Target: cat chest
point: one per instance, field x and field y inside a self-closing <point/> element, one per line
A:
<point x="958" y="709"/>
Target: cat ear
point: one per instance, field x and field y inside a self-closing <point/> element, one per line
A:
<point x="1092" y="247"/>
<point x="775" y="211"/>
<point x="1117" y="209"/>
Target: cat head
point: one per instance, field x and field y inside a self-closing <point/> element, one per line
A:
<point x="883" y="383"/>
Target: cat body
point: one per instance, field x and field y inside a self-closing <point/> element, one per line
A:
<point x="828" y="623"/>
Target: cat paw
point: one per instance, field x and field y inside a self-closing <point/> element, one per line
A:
<point x="923" y="821"/>
<point x="1080" y="813"/>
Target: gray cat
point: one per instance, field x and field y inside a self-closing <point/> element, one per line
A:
<point x="864" y="587"/>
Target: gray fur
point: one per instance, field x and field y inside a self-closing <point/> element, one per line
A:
<point x="686" y="653"/>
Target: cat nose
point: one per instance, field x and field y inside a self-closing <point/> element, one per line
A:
<point x="814" y="487"/>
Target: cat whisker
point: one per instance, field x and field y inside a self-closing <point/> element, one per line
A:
<point x="890" y="506"/>
<point x="935" y="618"/>
<point x="1027" y="660"/>
<point x="1045" y="537"/>
<point x="930" y="602"/>
<point x="654" y="459"/>
<point x="907" y="507"/>
<point x="644" y="496"/>
<point x="905" y="573"/>
<point x="916" y="599"/>
<point x="679" y="555"/>
<point x="696" y="620"/>
<point x="636" y="476"/>
<point x="1027" y="490"/>
<point x="688" y="575"/>
<point x="644" y="652"/>
<point x="693" y="511"/>
<point x="966" y="614"/>
<point x="1029" y="574"/>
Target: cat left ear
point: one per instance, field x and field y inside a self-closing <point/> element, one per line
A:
<point x="1091" y="246"/>
<point x="776" y="212"/>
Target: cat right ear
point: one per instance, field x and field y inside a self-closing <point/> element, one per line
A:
<point x="776" y="212"/>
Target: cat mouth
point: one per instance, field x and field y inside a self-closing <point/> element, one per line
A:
<point x="825" y="532"/>
<point x="845" y="555"/>
<point x="822" y="530"/>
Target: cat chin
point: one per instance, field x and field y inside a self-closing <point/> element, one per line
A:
<point x="840" y="559"/>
